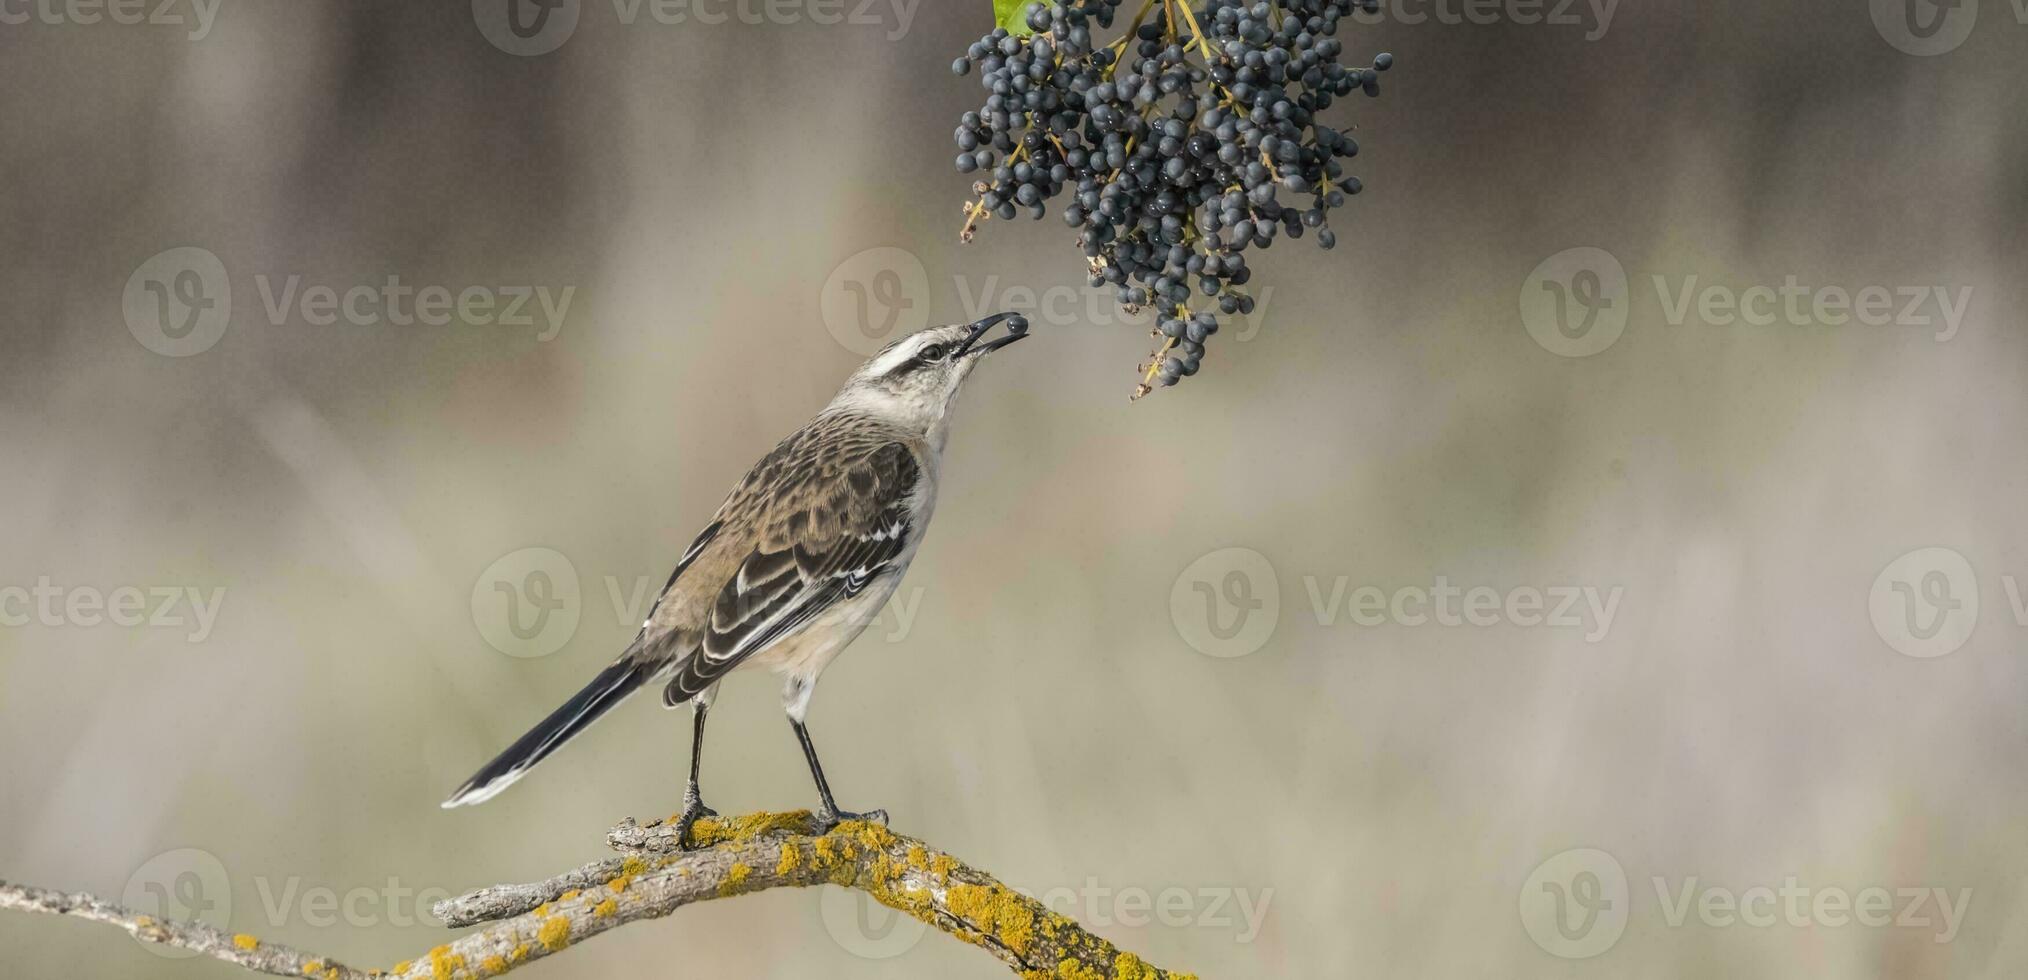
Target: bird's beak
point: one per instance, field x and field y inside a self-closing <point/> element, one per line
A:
<point x="1017" y="328"/>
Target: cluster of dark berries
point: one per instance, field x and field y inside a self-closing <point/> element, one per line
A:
<point x="1193" y="136"/>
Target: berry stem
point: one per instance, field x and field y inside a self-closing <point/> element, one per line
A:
<point x="1120" y="43"/>
<point x="1148" y="379"/>
<point x="977" y="211"/>
<point x="1202" y="44"/>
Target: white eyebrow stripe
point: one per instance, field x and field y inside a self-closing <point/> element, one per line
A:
<point x="894" y="358"/>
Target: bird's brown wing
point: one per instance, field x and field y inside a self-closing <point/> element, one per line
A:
<point x="812" y="526"/>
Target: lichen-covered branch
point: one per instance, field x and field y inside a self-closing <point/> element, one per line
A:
<point x="243" y="951"/>
<point x="653" y="878"/>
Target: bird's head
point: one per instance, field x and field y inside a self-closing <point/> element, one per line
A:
<point x="916" y="378"/>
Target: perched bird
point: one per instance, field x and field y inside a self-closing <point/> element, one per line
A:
<point x="798" y="560"/>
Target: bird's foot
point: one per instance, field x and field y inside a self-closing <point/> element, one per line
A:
<point x="828" y="818"/>
<point x="693" y="808"/>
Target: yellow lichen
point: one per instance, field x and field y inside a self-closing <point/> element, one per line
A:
<point x="310" y="969"/>
<point x="554" y="933"/>
<point x="1069" y="969"/>
<point x="444" y="964"/>
<point x="712" y="831"/>
<point x="605" y="908"/>
<point x="943" y="865"/>
<point x="618" y="885"/>
<point x="995" y="910"/>
<point x="402" y="967"/>
<point x="1127" y="966"/>
<point x="567" y="896"/>
<point x="918" y="858"/>
<point x="246" y="942"/>
<point x="520" y="953"/>
<point x="735" y="879"/>
<point x="789" y="860"/>
<point x="495" y="965"/>
<point x="870" y="835"/>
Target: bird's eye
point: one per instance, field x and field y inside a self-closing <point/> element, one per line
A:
<point x="931" y="354"/>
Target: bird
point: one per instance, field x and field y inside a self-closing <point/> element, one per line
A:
<point x="800" y="557"/>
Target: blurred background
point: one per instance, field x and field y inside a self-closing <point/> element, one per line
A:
<point x="1602" y="564"/>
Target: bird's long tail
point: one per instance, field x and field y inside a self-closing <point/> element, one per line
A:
<point x="609" y="688"/>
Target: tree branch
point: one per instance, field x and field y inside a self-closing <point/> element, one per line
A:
<point x="654" y="878"/>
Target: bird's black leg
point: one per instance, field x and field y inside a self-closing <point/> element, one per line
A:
<point x="693" y="801"/>
<point x="796" y="697"/>
<point x="828" y="814"/>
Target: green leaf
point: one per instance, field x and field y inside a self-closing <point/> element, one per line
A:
<point x="1012" y="15"/>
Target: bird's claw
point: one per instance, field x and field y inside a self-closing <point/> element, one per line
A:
<point x="829" y="819"/>
<point x="693" y="808"/>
